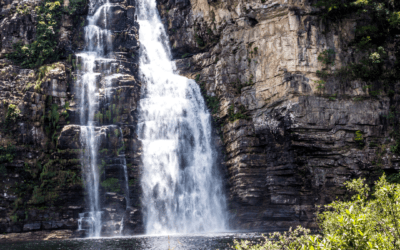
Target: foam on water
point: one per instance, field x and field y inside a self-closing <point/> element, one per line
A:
<point x="182" y="189"/>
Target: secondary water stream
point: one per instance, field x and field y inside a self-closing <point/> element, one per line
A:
<point x="95" y="62"/>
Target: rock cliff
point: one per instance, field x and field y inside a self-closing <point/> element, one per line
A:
<point x="42" y="152"/>
<point x="289" y="139"/>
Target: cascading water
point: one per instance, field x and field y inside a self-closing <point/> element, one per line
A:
<point x="95" y="62"/>
<point x="182" y="191"/>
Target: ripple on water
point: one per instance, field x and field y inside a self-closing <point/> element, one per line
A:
<point x="176" y="242"/>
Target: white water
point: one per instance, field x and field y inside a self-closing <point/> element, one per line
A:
<point x="182" y="191"/>
<point x="98" y="52"/>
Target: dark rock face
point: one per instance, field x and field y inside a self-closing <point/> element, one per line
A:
<point x="289" y="145"/>
<point x="42" y="185"/>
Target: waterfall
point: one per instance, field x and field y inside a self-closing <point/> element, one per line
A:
<point x="182" y="190"/>
<point x="97" y="61"/>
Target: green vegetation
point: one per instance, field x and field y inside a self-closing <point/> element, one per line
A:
<point x="199" y="40"/>
<point x="359" y="138"/>
<point x="197" y="77"/>
<point x="7" y="154"/>
<point x="212" y="103"/>
<point x="369" y="220"/>
<point x="43" y="181"/>
<point x="111" y="185"/>
<point x="238" y="86"/>
<point x="377" y="29"/>
<point x="239" y="114"/>
<point x="132" y="182"/>
<point x="43" y="48"/>
<point x="52" y="119"/>
<point x="327" y="57"/>
<point x="12" y="114"/>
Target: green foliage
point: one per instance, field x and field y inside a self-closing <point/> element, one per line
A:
<point x="233" y="116"/>
<point x="12" y="113"/>
<point x="377" y="28"/>
<point x="394" y="178"/>
<point x="14" y="218"/>
<point x="120" y="149"/>
<point x="320" y="85"/>
<point x="23" y="10"/>
<point x="111" y="185"/>
<point x="333" y="97"/>
<point x="396" y="147"/>
<point x="366" y="221"/>
<point x="132" y="182"/>
<point x="199" y="40"/>
<point x="41" y="196"/>
<point x="197" y="77"/>
<point x="7" y="153"/>
<point x="327" y="57"/>
<point x="212" y="103"/>
<point x="53" y="115"/>
<point x="99" y="117"/>
<point x="44" y="48"/>
<point x="102" y="167"/>
<point x="359" y="138"/>
<point x="185" y="55"/>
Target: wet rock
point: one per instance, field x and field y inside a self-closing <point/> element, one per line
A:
<point x="32" y="226"/>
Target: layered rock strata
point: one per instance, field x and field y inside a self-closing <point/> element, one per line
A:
<point x="290" y="143"/>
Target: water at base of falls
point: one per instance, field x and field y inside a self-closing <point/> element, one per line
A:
<point x="221" y="241"/>
<point x="182" y="189"/>
<point x="98" y="54"/>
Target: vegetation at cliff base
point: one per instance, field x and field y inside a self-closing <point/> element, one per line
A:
<point x="369" y="220"/>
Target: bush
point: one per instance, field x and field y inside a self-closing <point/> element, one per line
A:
<point x="12" y="113"/>
<point x="367" y="221"/>
<point x="377" y="29"/>
<point x="43" y="48"/>
<point x="111" y="185"/>
<point x="233" y="116"/>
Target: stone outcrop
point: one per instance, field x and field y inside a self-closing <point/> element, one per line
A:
<point x="289" y="143"/>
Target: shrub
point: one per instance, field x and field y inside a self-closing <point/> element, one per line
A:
<point x="366" y="221"/>
<point x="111" y="185"/>
<point x="359" y="138"/>
<point x="43" y="48"/>
<point x="12" y="113"/>
<point x="212" y="103"/>
<point x="239" y="114"/>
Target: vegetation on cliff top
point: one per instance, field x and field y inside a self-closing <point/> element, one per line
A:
<point x="376" y="38"/>
<point x="370" y="220"/>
